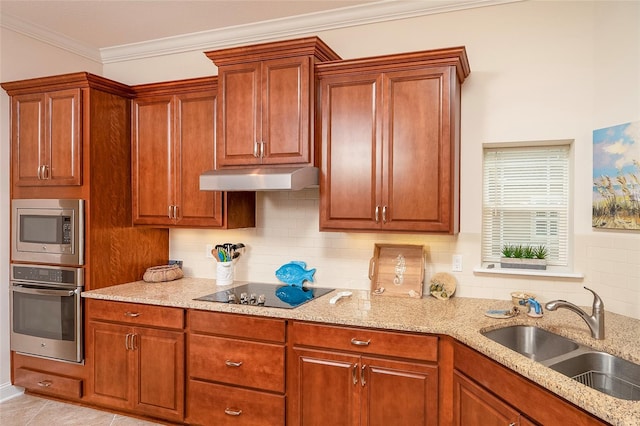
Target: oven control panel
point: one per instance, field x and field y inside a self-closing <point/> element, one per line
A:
<point x="48" y="274"/>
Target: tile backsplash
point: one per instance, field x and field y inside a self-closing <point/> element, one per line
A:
<point x="287" y="229"/>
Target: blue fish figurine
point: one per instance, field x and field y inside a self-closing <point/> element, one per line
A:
<point x="293" y="295"/>
<point x="295" y="273"/>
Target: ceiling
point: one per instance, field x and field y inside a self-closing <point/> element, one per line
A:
<point x="113" y="30"/>
<point x="109" y="23"/>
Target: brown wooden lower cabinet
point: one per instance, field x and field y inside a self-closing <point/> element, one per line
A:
<point x="136" y="368"/>
<point x="234" y="374"/>
<point x="474" y="405"/>
<point x="236" y="370"/>
<point x="351" y="376"/>
<point x="486" y="393"/>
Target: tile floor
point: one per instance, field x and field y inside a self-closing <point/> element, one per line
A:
<point x="28" y="410"/>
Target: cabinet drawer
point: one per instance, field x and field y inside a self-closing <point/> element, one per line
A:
<point x="234" y="325"/>
<point x="135" y="314"/>
<point x="237" y="362"/>
<point x="212" y="404"/>
<point x="48" y="383"/>
<point x="388" y="343"/>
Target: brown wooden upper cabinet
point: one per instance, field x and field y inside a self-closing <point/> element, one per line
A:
<point x="266" y="102"/>
<point x="46" y="126"/>
<point x="390" y="142"/>
<point x="173" y="143"/>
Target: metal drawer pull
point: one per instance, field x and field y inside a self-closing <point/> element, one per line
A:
<point x="354" y="374"/>
<point x="357" y="342"/>
<point x="131" y="314"/>
<point x="232" y="412"/>
<point x="45" y="383"/>
<point x="230" y="363"/>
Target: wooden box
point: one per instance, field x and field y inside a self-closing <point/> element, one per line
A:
<point x="397" y="270"/>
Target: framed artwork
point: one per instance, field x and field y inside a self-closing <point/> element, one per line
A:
<point x="616" y="177"/>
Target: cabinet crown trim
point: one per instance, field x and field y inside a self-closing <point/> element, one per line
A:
<point x="309" y="46"/>
<point x="451" y="56"/>
<point x="67" y="81"/>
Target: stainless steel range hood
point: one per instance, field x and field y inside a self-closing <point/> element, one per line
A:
<point x="259" y="179"/>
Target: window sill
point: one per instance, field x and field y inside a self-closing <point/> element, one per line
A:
<point x="496" y="270"/>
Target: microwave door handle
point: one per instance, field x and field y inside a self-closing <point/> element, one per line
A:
<point x="45" y="292"/>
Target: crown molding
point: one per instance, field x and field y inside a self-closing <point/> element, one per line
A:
<point x="259" y="32"/>
<point x="50" y="37"/>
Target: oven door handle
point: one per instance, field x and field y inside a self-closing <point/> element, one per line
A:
<point x="44" y="292"/>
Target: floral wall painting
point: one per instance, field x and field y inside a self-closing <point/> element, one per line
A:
<point x="616" y="177"/>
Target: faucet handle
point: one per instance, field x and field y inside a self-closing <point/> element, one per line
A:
<point x="598" y="304"/>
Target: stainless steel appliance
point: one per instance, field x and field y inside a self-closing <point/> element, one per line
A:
<point x="48" y="231"/>
<point x="46" y="311"/>
<point x="262" y="294"/>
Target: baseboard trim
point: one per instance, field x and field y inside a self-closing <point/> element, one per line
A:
<point x="8" y="391"/>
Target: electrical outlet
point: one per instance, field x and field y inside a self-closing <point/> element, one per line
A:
<point x="208" y="249"/>
<point x="456" y="264"/>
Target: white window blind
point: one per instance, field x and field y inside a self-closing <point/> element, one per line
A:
<point x="526" y="200"/>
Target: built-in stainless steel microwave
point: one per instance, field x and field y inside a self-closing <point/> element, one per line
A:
<point x="47" y="231"/>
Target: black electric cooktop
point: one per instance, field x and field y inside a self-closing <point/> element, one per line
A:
<point x="265" y="294"/>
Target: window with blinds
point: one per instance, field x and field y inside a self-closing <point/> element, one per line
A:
<point x="526" y="200"/>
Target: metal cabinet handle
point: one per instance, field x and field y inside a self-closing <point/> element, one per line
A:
<point x="175" y="211"/>
<point x="45" y="172"/>
<point x="255" y="149"/>
<point x="127" y="346"/>
<point x="384" y="214"/>
<point x="362" y="379"/>
<point x="45" y="384"/>
<point x="354" y="374"/>
<point x="261" y="149"/>
<point x="40" y="172"/>
<point x="230" y="363"/>
<point x="170" y="211"/>
<point x="232" y="412"/>
<point x="131" y="314"/>
<point x="134" y="342"/>
<point x="357" y="342"/>
<point x="377" y="214"/>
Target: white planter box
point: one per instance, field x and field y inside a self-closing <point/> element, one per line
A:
<point x="516" y="263"/>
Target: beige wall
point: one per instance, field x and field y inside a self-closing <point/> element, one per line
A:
<point x="540" y="70"/>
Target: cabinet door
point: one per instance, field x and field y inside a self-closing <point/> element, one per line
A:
<point x="398" y="393"/>
<point x="113" y="366"/>
<point x="327" y="389"/>
<point x="417" y="147"/>
<point x="350" y="185"/>
<point x="195" y="153"/>
<point x="160" y="372"/>
<point x="63" y="142"/>
<point x="473" y="405"/>
<point x="239" y="118"/>
<point x="286" y="106"/>
<point x="152" y="173"/>
<point x="46" y="138"/>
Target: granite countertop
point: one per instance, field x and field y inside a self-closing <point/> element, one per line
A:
<point x="458" y="317"/>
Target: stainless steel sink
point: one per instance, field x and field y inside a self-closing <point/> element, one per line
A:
<point x="604" y="372"/>
<point x="532" y="342"/>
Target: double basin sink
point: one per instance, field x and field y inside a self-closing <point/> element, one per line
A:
<point x="599" y="370"/>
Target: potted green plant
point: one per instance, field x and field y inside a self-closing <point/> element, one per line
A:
<point x="524" y="256"/>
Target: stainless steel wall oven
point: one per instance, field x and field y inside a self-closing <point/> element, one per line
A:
<point x="46" y="311"/>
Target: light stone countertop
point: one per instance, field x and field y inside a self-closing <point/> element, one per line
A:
<point x="460" y="318"/>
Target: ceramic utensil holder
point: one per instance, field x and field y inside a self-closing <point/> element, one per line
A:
<point x="224" y="273"/>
